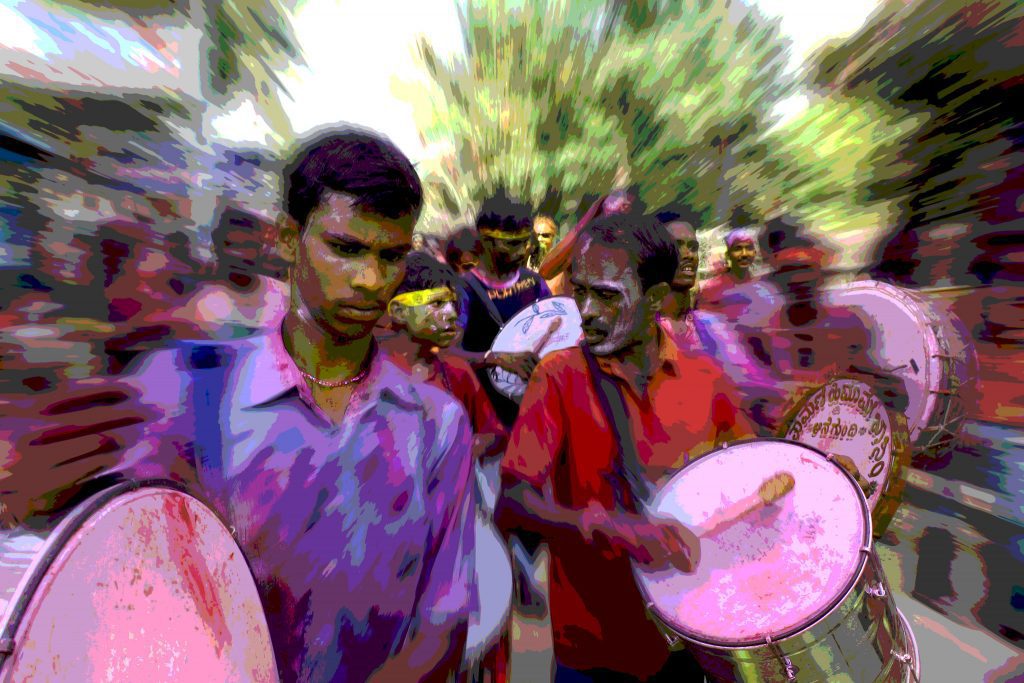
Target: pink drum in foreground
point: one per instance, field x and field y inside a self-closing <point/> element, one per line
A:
<point x="135" y="584"/>
<point x="790" y="592"/>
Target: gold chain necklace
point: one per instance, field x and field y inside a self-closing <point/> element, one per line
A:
<point x="345" y="382"/>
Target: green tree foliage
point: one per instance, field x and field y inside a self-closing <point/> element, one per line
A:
<point x="825" y="161"/>
<point x="556" y="101"/>
<point x="250" y="43"/>
<point x="958" y="66"/>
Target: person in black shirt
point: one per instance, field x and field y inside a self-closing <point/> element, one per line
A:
<point x="499" y="287"/>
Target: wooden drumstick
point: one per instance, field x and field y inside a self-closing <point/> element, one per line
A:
<point x="543" y="341"/>
<point x="773" y="488"/>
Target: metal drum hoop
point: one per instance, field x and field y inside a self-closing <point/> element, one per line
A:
<point x="866" y="552"/>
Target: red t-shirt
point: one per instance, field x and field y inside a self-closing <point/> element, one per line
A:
<point x="459" y="380"/>
<point x="562" y="437"/>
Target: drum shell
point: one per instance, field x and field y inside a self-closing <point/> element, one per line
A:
<point x="945" y="373"/>
<point x="853" y="643"/>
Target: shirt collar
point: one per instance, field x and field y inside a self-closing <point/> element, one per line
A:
<point x="268" y="372"/>
<point x="669" y="357"/>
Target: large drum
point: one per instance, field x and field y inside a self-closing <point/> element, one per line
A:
<point x="927" y="347"/>
<point x="790" y="592"/>
<point x="531" y="329"/>
<point x="494" y="592"/>
<point x="137" y="583"/>
<point x="845" y="417"/>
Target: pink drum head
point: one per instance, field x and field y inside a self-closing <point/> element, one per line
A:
<point x="151" y="587"/>
<point x="846" y="418"/>
<point x="494" y="589"/>
<point x="527" y="329"/>
<point x="774" y="572"/>
<point x="903" y="341"/>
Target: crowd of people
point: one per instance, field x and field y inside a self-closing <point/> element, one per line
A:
<point x="337" y="408"/>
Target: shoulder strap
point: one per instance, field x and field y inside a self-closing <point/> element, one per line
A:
<point x="613" y="405"/>
<point x="474" y="284"/>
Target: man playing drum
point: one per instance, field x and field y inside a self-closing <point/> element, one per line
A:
<point x="498" y="288"/>
<point x="348" y="483"/>
<point x="566" y="470"/>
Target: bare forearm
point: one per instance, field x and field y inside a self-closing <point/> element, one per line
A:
<point x="521" y="508"/>
<point x="477" y="359"/>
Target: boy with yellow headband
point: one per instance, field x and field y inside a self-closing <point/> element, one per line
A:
<point x="425" y="311"/>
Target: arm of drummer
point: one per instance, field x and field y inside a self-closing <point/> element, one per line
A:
<point x="527" y="501"/>
<point x="54" y="442"/>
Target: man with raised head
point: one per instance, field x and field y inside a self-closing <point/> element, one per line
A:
<point x="346" y="482"/>
<point x="499" y="287"/>
<point x="601" y="427"/>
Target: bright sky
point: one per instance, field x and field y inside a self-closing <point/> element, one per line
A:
<point x="358" y="51"/>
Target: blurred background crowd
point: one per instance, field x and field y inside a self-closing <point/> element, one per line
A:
<point x="140" y="144"/>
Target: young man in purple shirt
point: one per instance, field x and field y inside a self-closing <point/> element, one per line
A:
<point x="346" y="483"/>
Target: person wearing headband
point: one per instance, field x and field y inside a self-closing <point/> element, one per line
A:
<point x="740" y="254"/>
<point x="425" y="311"/>
<point x="499" y="287"/>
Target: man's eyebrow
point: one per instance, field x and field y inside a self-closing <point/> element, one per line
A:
<point x="345" y="239"/>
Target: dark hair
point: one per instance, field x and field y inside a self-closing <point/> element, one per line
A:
<point x="783" y="232"/>
<point x="644" y="238"/>
<point x="357" y="162"/>
<point x="462" y="241"/>
<point x="499" y="212"/>
<point x="680" y="212"/>
<point x="423" y="271"/>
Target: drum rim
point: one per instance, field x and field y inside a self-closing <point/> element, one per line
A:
<point x="818" y="615"/>
<point x="57" y="540"/>
<point x="917" y="307"/>
<point x="507" y="324"/>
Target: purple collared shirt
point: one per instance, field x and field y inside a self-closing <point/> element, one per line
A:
<point x="356" y="533"/>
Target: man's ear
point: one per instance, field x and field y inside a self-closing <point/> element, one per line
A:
<point x="288" y="231"/>
<point x="656" y="295"/>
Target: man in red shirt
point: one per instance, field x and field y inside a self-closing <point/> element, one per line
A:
<point x="574" y="473"/>
<point x="740" y="252"/>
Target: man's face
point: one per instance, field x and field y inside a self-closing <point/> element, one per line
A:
<point x="347" y="264"/>
<point x="607" y="291"/>
<point x="741" y="255"/>
<point x="686" y="241"/>
<point x="544" y="229"/>
<point x="507" y="254"/>
<point x="434" y="323"/>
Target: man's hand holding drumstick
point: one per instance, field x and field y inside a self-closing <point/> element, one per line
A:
<point x="525" y="362"/>
<point x="668" y="541"/>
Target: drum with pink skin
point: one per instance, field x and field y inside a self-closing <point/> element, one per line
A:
<point x="928" y="347"/>
<point x="134" y="584"/>
<point x="790" y="592"/>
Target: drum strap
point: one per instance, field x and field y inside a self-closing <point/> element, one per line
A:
<point x="481" y="293"/>
<point x="627" y="465"/>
